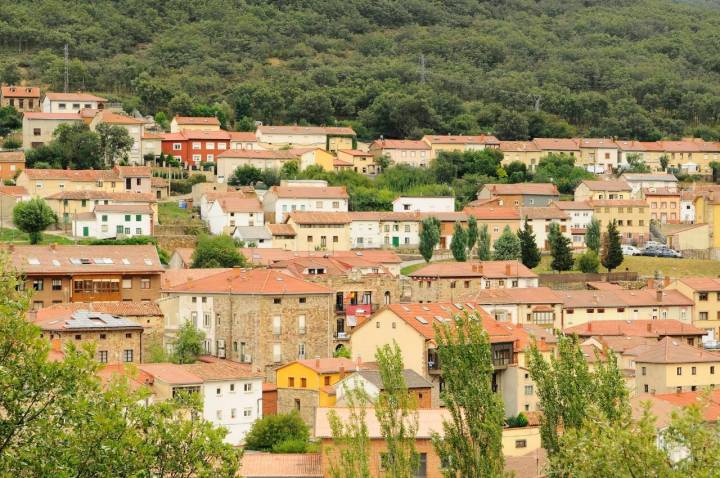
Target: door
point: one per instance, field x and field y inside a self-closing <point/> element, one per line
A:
<point x="396" y="241"/>
<point x="86" y="231"/>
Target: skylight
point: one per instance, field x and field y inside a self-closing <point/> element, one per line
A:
<point x="148" y="262"/>
<point x="125" y="261"/>
<point x="56" y="262"/>
<point x="421" y="319"/>
<point x="33" y="261"/>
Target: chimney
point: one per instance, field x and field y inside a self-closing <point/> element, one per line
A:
<point x="666" y="281"/>
<point x="508" y="269"/>
<point x="317" y="363"/>
<point x="648" y="326"/>
<point x="651" y="283"/>
<point x="342" y="372"/>
<point x="589" y="326"/>
<point x="659" y="295"/>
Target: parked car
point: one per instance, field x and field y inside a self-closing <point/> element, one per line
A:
<point x="667" y="252"/>
<point x="653" y="244"/>
<point x="652" y="251"/>
<point x="629" y="250"/>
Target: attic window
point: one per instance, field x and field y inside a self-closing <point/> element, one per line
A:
<point x="56" y="262"/>
<point x="125" y="261"/>
<point x="75" y="261"/>
<point x="33" y="261"/>
<point x="84" y="260"/>
<point x="421" y="319"/>
<point x="148" y="262"/>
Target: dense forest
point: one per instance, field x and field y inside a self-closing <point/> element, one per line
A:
<point x="518" y="68"/>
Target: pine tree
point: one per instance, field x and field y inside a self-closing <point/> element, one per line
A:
<point x="471" y="443"/>
<point x="592" y="236"/>
<point x="483" y="251"/>
<point x="458" y="245"/>
<point x="560" y="249"/>
<point x="472" y="235"/>
<point x="530" y="254"/>
<point x="507" y="246"/>
<point x="611" y="255"/>
<point x="429" y="237"/>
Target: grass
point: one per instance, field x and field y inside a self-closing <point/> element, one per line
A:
<point x="646" y="266"/>
<point x="16" y="236"/>
<point x="171" y="213"/>
<point x="412" y="268"/>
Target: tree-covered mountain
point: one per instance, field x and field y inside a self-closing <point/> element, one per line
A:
<point x="519" y="68"/>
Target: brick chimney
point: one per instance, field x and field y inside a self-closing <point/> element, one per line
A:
<point x="317" y="363"/>
<point x="666" y="281"/>
<point x="651" y="283"/>
<point x="659" y="295"/>
<point x="648" y="326"/>
<point x="508" y="269"/>
<point x="342" y="372"/>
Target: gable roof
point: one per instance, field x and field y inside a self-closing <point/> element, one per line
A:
<point x="119" y="308"/>
<point x="550" y="212"/>
<point x="129" y="208"/>
<point x="14" y="191"/>
<point x="518" y="146"/>
<point x="493" y="213"/>
<point x="355" y="152"/>
<point x="75" y="259"/>
<point x="89" y="194"/>
<point x="201" y="135"/>
<point x="250" y="281"/>
<point x="556" y="144"/>
<point x="542" y="189"/>
<point x="39" y="115"/>
<point x="529" y="295"/>
<point x="12" y="156"/>
<point x="276" y="465"/>
<point x="400" y="144"/>
<point x="609" y="185"/>
<point x="640" y="146"/>
<point x="86" y="320"/>
<point x="238" y="203"/>
<point x="461" y="139"/>
<point x="197" y="120"/>
<point x="248" y="136"/>
<point x="667" y="177"/>
<point x="670" y="351"/>
<point x="307" y="130"/>
<point x="572" y="205"/>
<point x="622" y="298"/>
<point x="16" y="91"/>
<point x="115" y="118"/>
<point x="702" y="284"/>
<point x="596" y="143"/>
<point x="257" y="154"/>
<point x="412" y="378"/>
<point x="310" y="217"/>
<point x="634" y="328"/>
<point x="73" y="97"/>
<point x="486" y="269"/>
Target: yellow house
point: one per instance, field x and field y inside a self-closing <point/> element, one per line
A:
<point x="304" y="385"/>
<point x="320" y="231"/>
<point x="525" y="152"/>
<point x="632" y="217"/>
<point x="691" y="155"/>
<point x="46" y="182"/>
<point x="68" y="204"/>
<point x="460" y="143"/>
<point x="362" y="162"/>
<point x="602" y="190"/>
<point x="324" y="159"/>
<point x="673" y="366"/>
<point x="707" y="211"/>
<point x="283" y="236"/>
<point x="705" y="294"/>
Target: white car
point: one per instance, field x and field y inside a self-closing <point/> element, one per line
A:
<point x="629" y="250"/>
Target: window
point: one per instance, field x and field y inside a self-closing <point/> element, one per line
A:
<point x="196" y="146"/>
<point x="297" y="404"/>
<point x="678" y="371"/>
<point x="647" y="388"/>
<point x="119" y="229"/>
<point x="301" y="351"/>
<point x="520" y="443"/>
<point x="703" y="316"/>
<point x="127" y="283"/>
<point x="644" y="371"/>
<point x="712" y="369"/>
<point x="301" y="324"/>
<point x="528" y="389"/>
<point x="209" y="145"/>
<point x="144" y="283"/>
<point x="232" y="413"/>
<point x="78" y="336"/>
<point x="38" y="284"/>
<point x="218" y="391"/>
<point x="57" y="284"/>
<point x="277" y="353"/>
<point x="466" y="284"/>
<point x="128" y="355"/>
<point x="103" y="336"/>
<point x="703" y="296"/>
<point x="302" y="300"/>
<point x="693" y="370"/>
<point x="326" y="381"/>
<point x="453" y="284"/>
<point x="177" y="146"/>
<point x="232" y="387"/>
<point x="303" y="382"/>
<point x="218" y="414"/>
<point x="247" y="387"/>
<point x="103" y="356"/>
<point x="138" y="217"/>
<point x="277" y="300"/>
<point x="277" y="325"/>
<point x="128" y="335"/>
<point x="247" y="412"/>
<point x="336" y="204"/>
<point x="36" y="132"/>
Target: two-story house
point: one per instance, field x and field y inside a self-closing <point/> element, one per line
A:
<point x="373" y="229"/>
<point x="540" y="219"/>
<point x="403" y="151"/>
<point x="521" y="194"/>
<point x="329" y="138"/>
<point x="603" y="189"/>
<point x="631" y="216"/>
<point x="181" y="124"/>
<point x="22" y="98"/>
<point x="228" y="161"/>
<point x="281" y="200"/>
<point x="228" y="212"/>
<point x="705" y="295"/>
<point x="525" y="152"/>
<point x="71" y="102"/>
<point x="38" y="127"/>
<point x="120" y="179"/>
<point x="134" y="126"/>
<point x="580" y="214"/>
<point x="108" y="221"/>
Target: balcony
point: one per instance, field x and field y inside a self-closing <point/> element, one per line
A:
<point x="502" y="356"/>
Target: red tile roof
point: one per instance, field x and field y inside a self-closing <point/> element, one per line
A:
<point x="640" y="146"/>
<point x="550" y="212"/>
<point x="609" y="185"/>
<point x="662" y="406"/>
<point x="634" y="328"/>
<point x="661" y="192"/>
<point x="113" y="371"/>
<point x="263" y="256"/>
<point x="596" y="143"/>
<point x="306" y="130"/>
<point x="120" y="309"/>
<point x="382" y="216"/>
<point x="541" y="189"/>
<point x="181" y="276"/>
<point x="12" y="156"/>
<point x="703" y="284"/>
<point x="670" y="351"/>
<point x="133" y="171"/>
<point x="572" y="205"/>
<point x="15" y="191"/>
<point x="240" y="204"/>
<point x="493" y="213"/>
<point x="251" y="281"/>
<point x="115" y="118"/>
<point x="518" y="146"/>
<point x="400" y="144"/>
<point x="39" y="115"/>
<point x="211" y="369"/>
<point x="327" y="192"/>
<point x="556" y="144"/>
<point x="197" y="120"/>
<point x="121" y="208"/>
<point x="281" y="229"/>
<point x="246" y="136"/>
<point x="309" y="217"/>
<point x="622" y="298"/>
<point x="274" y="465"/>
<point x="355" y="152"/>
<point x="488" y="269"/>
<point x="618" y="202"/>
<point x="460" y="139"/>
<point x="195" y="135"/>
<point x="158" y="182"/>
<point x="16" y="91"/>
<point x="530" y="295"/>
<point x="170" y="373"/>
<point x="73" y="97"/>
<point x="76" y="259"/>
<point x="326" y="365"/>
<point x="93" y="194"/>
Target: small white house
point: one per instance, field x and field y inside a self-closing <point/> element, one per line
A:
<point x="253" y="236"/>
<point x="279" y="201"/>
<point x="227" y="213"/>
<point x="580" y="214"/>
<point x="370" y="382"/>
<point x="113" y="221"/>
<point x="540" y="219"/>
<point x="71" y="102"/>
<point x="231" y="393"/>
<point x="424" y="204"/>
<point x="376" y="229"/>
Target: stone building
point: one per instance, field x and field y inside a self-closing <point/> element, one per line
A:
<point x="261" y="317"/>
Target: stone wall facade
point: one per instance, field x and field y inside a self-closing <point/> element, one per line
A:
<point x="113" y="342"/>
<point x="304" y="401"/>
<point x="454" y="289"/>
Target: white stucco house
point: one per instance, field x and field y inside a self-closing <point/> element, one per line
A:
<point x="71" y="102"/>
<point x="281" y="200"/>
<point x="424" y="204"/>
<point x="113" y="221"/>
<point x="376" y="229"/>
<point x="580" y="215"/>
<point x="227" y="213"/>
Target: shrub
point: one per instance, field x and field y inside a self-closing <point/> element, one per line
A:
<point x="519" y="421"/>
<point x="277" y="430"/>
<point x="588" y="262"/>
<point x="293" y="445"/>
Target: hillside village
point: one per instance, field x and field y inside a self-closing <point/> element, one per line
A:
<point x="322" y="285"/>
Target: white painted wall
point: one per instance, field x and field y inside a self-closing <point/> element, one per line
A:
<point x="218" y="219"/>
<point x="687" y="211"/>
<point x="224" y="398"/>
<point x="105" y="229"/>
<point x="284" y="206"/>
<point x="424" y="204"/>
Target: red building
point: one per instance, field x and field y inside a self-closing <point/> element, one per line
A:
<point x="194" y="147"/>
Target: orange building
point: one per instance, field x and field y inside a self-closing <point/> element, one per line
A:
<point x="664" y="204"/>
<point x="11" y="163"/>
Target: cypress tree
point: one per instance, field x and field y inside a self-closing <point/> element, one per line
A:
<point x="429" y="237"/>
<point x="483" y="251"/>
<point x="458" y="245"/>
<point x="562" y="258"/>
<point x="611" y="256"/>
<point x="507" y="246"/>
<point x="529" y="252"/>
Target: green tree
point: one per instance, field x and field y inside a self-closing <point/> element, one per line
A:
<point x="560" y="170"/>
<point x="588" y="261"/>
<point x="115" y="143"/>
<point x="290" y="170"/>
<point x="429" y="237"/>
<point x="592" y="236"/>
<point x="635" y="164"/>
<point x="567" y="389"/>
<point x="611" y="255"/>
<point x="272" y="431"/>
<point x="471" y="443"/>
<point x="349" y="456"/>
<point x="664" y="161"/>
<point x="12" y="143"/>
<point x="529" y="252"/>
<point x="472" y="235"/>
<point x="483" y="251"/>
<point x="188" y="345"/>
<point x="343" y="352"/>
<point x="78" y="147"/>
<point x="58" y="419"/>
<point x="560" y="249"/>
<point x="33" y="217"/>
<point x="458" y="244"/>
<point x="245" y="175"/>
<point x="507" y="246"/>
<point x="216" y="251"/>
<point x="396" y="413"/>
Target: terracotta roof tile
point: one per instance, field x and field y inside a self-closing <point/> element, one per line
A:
<point x="489" y="269"/>
<point x="121" y="309"/>
<point x="666" y="177"/>
<point x="240" y="204"/>
<point x="195" y="135"/>
<point x="73" y="97"/>
<point x="330" y="192"/>
<point x="281" y="229"/>
<point x="610" y="185"/>
<point x="128" y="208"/>
<point x="251" y="281"/>
<point x="670" y="351"/>
<point x="596" y="143"/>
<point x="355" y="152"/>
<point x="12" y="156"/>
<point x="556" y="144"/>
<point x="640" y="146"/>
<point x="246" y="136"/>
<point x="181" y="276"/>
<point x="530" y="295"/>
<point x="39" y="115"/>
<point x="400" y="144"/>
<point x="518" y="146"/>
<point x="74" y="259"/>
<point x="197" y="120"/>
<point x="212" y="369"/>
<point x="170" y="373"/>
<point x="634" y="328"/>
<point x="115" y="118"/>
<point x="326" y="365"/>
<point x="17" y="91"/>
<point x="93" y="194"/>
<point x="16" y="191"/>
<point x="306" y="130"/>
<point x="309" y="217"/>
<point x="543" y="213"/>
<point x="572" y="205"/>
<point x="543" y="189"/>
<point x="461" y="139"/>
<point x="493" y="213"/>
<point x="663" y="405"/>
<point x="622" y="298"/>
<point x="158" y="182"/>
<point x="275" y="465"/>
<point x="400" y="216"/>
<point x="704" y="284"/>
<point x="618" y="202"/>
<point x="257" y="154"/>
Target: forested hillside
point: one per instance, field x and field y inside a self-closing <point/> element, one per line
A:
<point x="519" y="68"/>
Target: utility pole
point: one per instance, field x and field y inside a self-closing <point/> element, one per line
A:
<point x="65" y="50"/>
